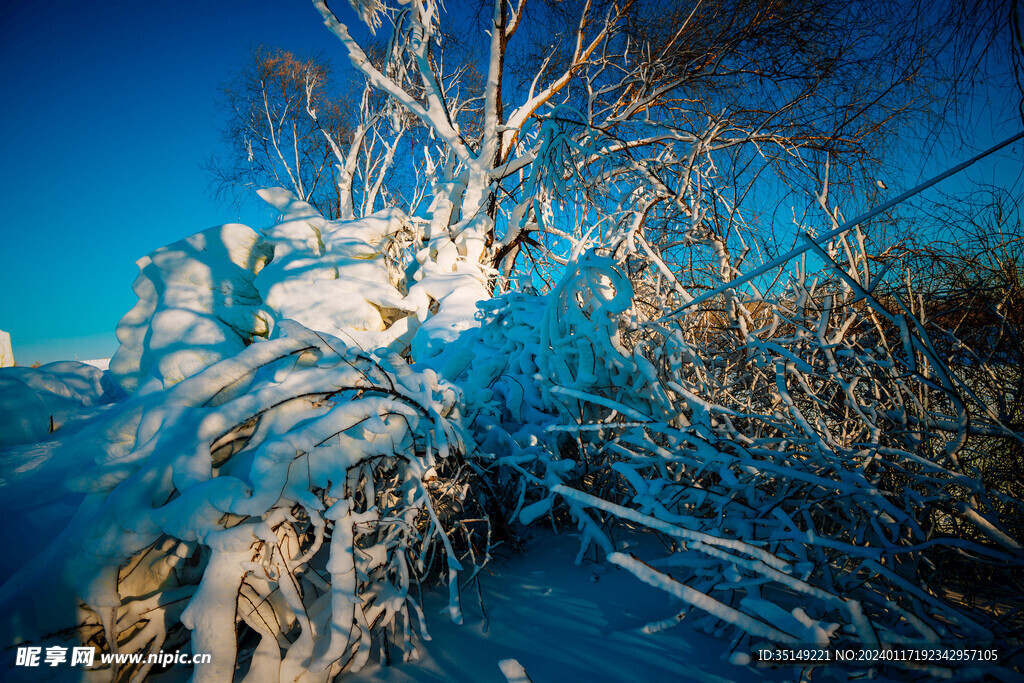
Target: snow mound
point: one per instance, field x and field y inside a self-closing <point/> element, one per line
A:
<point x="332" y="276"/>
<point x="35" y="402"/>
<point x="197" y="305"/>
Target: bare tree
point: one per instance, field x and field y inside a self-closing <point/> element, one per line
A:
<point x="642" y="119"/>
<point x="283" y="112"/>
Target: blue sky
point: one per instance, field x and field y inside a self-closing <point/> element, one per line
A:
<point x="109" y="111"/>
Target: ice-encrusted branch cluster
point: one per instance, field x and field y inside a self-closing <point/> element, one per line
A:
<point x="806" y="473"/>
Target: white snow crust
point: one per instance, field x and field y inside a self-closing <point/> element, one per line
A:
<point x="197" y="305"/>
<point x="35" y="402"/>
<point x="6" y="351"/>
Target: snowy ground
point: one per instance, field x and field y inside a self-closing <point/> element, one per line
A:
<point x="563" y="622"/>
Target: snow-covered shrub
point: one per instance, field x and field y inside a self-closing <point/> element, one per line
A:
<point x="274" y="502"/>
<point x="802" y="468"/>
<point x="284" y="528"/>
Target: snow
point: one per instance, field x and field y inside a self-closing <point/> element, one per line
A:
<point x="6" y="352"/>
<point x="513" y="671"/>
<point x="159" y="475"/>
<point x="332" y="276"/>
<point x="456" y="294"/>
<point x="545" y="618"/>
<point x="35" y="402"/>
<point x="197" y="305"/>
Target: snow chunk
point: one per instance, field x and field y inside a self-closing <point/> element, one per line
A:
<point x="197" y="305"/>
<point x="456" y="295"/>
<point x="6" y="352"/>
<point x="332" y="276"/>
<point x="513" y="671"/>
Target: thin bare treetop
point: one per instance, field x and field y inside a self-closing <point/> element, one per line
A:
<point x="634" y="106"/>
<point x="274" y="139"/>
